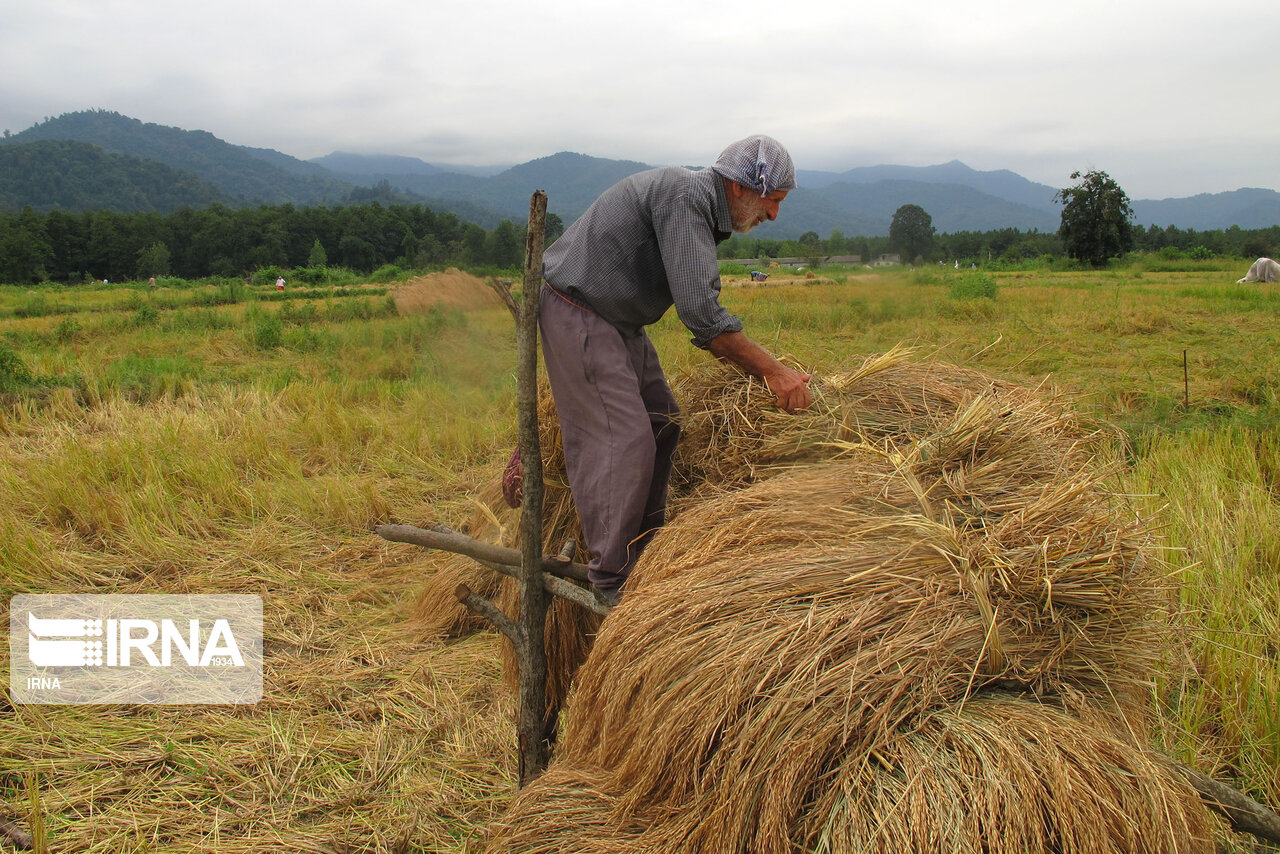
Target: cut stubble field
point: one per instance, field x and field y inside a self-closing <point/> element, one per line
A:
<point x="250" y="447"/>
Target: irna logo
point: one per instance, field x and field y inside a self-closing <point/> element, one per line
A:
<point x="55" y="642"/>
<point x="111" y="648"/>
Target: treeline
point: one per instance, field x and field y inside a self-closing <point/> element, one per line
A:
<point x="1010" y="244"/>
<point x="227" y="242"/>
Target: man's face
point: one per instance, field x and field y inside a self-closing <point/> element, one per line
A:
<point x="748" y="208"/>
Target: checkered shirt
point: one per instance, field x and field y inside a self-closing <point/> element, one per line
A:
<point x="647" y="243"/>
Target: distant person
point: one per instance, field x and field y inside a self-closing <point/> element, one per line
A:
<point x="280" y="283"/>
<point x="151" y="283"/>
<point x="646" y="244"/>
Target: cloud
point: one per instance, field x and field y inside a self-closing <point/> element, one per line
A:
<point x="1168" y="92"/>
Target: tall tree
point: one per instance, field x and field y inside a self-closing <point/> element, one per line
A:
<point x="154" y="260"/>
<point x="1096" y="218"/>
<point x="318" y="257"/>
<point x="911" y="232"/>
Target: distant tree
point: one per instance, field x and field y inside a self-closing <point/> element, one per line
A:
<point x="553" y="228"/>
<point x="1096" y="218"/>
<point x="24" y="249"/>
<point x="318" y="257"/>
<point x="356" y="254"/>
<point x="860" y="247"/>
<point x="911" y="232"/>
<point x="504" y="246"/>
<point x="154" y="260"/>
<point x="1255" y="247"/>
<point x="810" y="240"/>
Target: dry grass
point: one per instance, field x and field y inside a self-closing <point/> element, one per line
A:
<point x="450" y="289"/>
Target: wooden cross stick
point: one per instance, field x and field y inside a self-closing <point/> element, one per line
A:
<point x="1244" y="813"/>
<point x="502" y="560"/>
<point x="449" y="540"/>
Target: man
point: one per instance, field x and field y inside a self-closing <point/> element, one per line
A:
<point x="647" y="243"/>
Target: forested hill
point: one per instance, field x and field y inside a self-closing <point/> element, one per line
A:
<point x="175" y="167"/>
<point x="245" y="174"/>
<point x="77" y="176"/>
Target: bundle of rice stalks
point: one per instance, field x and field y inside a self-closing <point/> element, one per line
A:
<point x="980" y="443"/>
<point x="436" y="613"/>
<point x="778" y="641"/>
<point x="733" y="433"/>
<point x="824" y="609"/>
<point x="998" y="774"/>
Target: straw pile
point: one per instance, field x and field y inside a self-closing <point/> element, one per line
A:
<point x="909" y="619"/>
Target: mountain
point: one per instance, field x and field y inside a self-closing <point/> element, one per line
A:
<point x="1000" y="183"/>
<point x="76" y="176"/>
<point x="572" y="182"/>
<point x="152" y="167"/>
<point x="374" y="164"/>
<point x="953" y="207"/>
<point x="1247" y="208"/>
<point x="252" y="175"/>
<point x="383" y="165"/>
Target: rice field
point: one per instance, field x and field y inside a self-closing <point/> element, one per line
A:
<point x="162" y="442"/>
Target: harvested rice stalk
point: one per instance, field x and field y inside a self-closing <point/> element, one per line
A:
<point x="1001" y="773"/>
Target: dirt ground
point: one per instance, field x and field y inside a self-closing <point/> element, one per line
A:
<point x="450" y="289"/>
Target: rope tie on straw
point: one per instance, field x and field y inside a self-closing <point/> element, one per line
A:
<point x="979" y="584"/>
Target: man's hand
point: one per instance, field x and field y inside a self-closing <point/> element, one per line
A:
<point x="791" y="388"/>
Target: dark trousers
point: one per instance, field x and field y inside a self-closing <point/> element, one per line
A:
<point x="617" y="416"/>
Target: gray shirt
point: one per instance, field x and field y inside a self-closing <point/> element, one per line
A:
<point x="647" y="243"/>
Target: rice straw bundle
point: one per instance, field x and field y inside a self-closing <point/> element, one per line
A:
<point x="436" y="612"/>
<point x="999" y="774"/>
<point x="733" y="434"/>
<point x="785" y="650"/>
<point x="802" y="620"/>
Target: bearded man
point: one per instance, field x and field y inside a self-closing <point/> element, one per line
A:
<point x="646" y="244"/>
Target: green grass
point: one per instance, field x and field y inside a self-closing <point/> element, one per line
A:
<point x="248" y="446"/>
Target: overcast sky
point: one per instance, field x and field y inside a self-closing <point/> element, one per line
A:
<point x="1171" y="98"/>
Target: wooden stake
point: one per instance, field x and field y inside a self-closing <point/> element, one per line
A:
<point x="533" y="731"/>
<point x="1186" y="383"/>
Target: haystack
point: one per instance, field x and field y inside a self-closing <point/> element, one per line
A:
<point x="732" y="435"/>
<point x="909" y="619"/>
<point x="998" y="774"/>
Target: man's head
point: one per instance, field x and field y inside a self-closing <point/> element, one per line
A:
<point x="748" y="210"/>
<point x="758" y="173"/>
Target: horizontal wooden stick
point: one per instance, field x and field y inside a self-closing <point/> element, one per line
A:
<point x="556" y="569"/>
<point x="446" y="539"/>
<point x="1245" y="814"/>
<point x="21" y="839"/>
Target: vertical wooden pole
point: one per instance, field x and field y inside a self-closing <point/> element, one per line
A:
<point x="535" y="746"/>
<point x="1186" y="383"/>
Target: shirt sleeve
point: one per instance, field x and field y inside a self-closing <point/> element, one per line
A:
<point x="684" y="231"/>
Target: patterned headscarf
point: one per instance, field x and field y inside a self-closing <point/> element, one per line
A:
<point x="759" y="162"/>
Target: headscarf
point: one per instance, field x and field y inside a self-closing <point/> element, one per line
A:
<point x="759" y="162"/>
